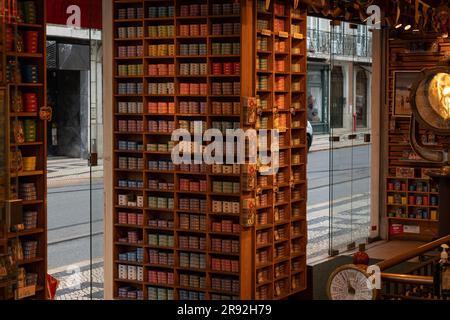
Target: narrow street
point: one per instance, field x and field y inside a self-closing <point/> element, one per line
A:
<point x="69" y="218"/>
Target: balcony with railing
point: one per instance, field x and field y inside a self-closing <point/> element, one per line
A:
<point x="323" y="44"/>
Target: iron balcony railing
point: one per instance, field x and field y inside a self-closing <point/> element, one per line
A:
<point x="327" y="43"/>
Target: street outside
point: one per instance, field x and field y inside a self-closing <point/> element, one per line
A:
<point x="70" y="196"/>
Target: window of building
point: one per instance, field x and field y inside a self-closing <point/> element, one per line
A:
<point x="361" y="99"/>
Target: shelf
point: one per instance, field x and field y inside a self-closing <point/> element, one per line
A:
<point x="165" y="248"/>
<point x="30" y="261"/>
<point x="412" y="219"/>
<point x="160" y="190"/>
<point x="225" y="76"/>
<point x="24" y="55"/>
<point x="159" y="228"/>
<point x="192" y="269"/>
<point x="128" y="39"/>
<point x="132" y="263"/>
<point x="220" y="194"/>
<point x="190" y="250"/>
<point x="158" y="133"/>
<point x="190" y="192"/>
<point x="125" y="225"/>
<point x="192" y="18"/>
<point x="225" y="174"/>
<point x="231" y="36"/>
<point x="127" y="20"/>
<point x="28" y="173"/>
<point x="159" y="57"/>
<point x="228" y="273"/>
<point x="29" y="25"/>
<point x="23" y="114"/>
<point x="128" y="151"/>
<point x="161" y="285"/>
<point x="128" y="58"/>
<point x="192" y="56"/>
<point x="191" y="37"/>
<point x="234" y="254"/>
<point x="26" y="84"/>
<point x="162" y="266"/>
<point x="128" y="170"/>
<point x="262" y="246"/>
<point x="130" y="77"/>
<point x="222" y="292"/>
<point x="260" y="284"/>
<point x="126" y="244"/>
<point x="224" y="56"/>
<point x="129" y="208"/>
<point x="422" y="206"/>
<point x="263" y="265"/>
<point x="191" y="231"/>
<point x="159" y="209"/>
<point x="230" y="234"/>
<point x="159" y="19"/>
<point x="128" y="281"/>
<point x="25" y="233"/>
<point x="31" y="202"/>
<point x="230" y="16"/>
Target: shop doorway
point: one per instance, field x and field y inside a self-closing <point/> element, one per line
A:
<point x="350" y="150"/>
<point x="75" y="164"/>
<point x="339" y="161"/>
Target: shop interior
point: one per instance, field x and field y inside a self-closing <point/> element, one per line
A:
<point x="94" y="206"/>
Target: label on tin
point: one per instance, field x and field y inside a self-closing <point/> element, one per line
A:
<point x="266" y="32"/>
<point x="411" y="229"/>
<point x="283" y="34"/>
<point x="297" y="35"/>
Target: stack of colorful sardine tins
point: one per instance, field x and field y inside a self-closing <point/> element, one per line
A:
<point x="27" y="191"/>
<point x="29" y="12"/>
<point x="30" y="73"/>
<point x="30" y="130"/>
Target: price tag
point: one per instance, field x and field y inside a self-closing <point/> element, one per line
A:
<point x="283" y="34"/>
<point x="266" y="32"/>
<point x="297" y="35"/>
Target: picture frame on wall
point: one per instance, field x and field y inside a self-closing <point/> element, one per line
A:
<point x="403" y="81"/>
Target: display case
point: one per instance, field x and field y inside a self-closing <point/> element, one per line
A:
<point x="199" y="231"/>
<point x="24" y="131"/>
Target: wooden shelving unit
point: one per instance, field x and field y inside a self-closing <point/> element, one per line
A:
<point x="23" y="70"/>
<point x="406" y="204"/>
<point x="178" y="230"/>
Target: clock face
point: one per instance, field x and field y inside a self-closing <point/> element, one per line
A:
<point x="350" y="283"/>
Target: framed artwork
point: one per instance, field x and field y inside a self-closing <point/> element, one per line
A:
<point x="403" y="81"/>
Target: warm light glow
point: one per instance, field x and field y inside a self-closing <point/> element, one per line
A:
<point x="398" y="26"/>
<point x="439" y="94"/>
<point x="407" y="27"/>
<point x="446" y="91"/>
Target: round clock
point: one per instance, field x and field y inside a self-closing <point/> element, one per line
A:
<point x="350" y="282"/>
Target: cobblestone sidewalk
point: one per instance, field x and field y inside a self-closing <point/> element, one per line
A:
<point x="75" y="280"/>
<point x="63" y="171"/>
